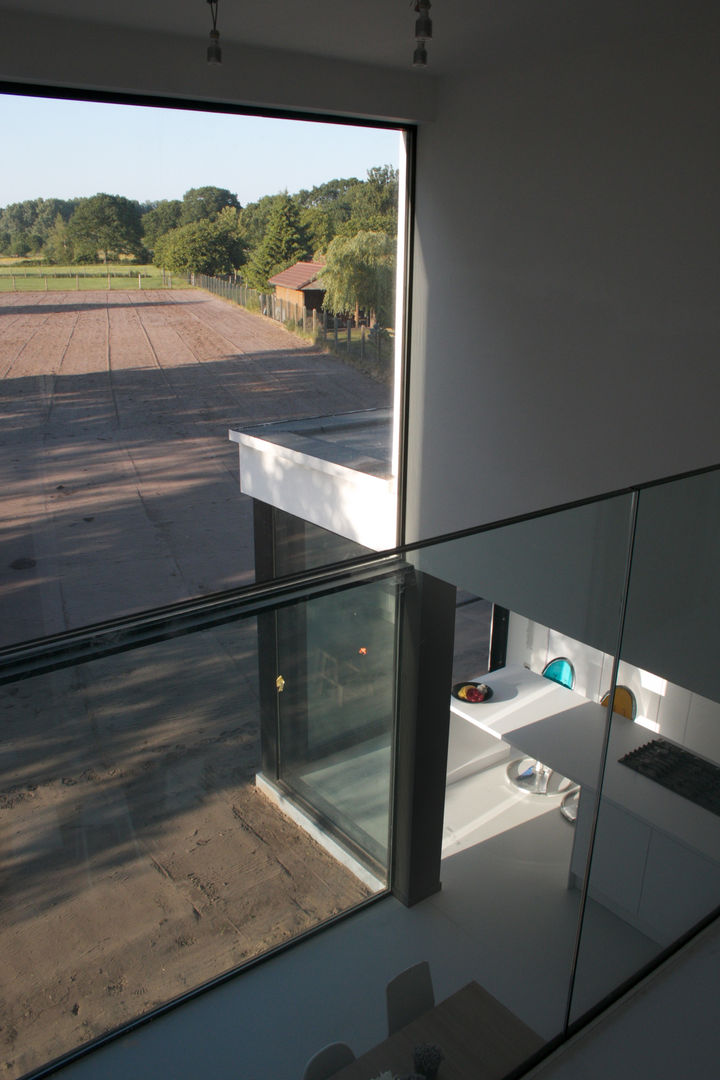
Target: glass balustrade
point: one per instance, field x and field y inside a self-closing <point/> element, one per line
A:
<point x="518" y="757"/>
<point x="185" y="791"/>
<point x="142" y="857"/>
<point x="654" y="830"/>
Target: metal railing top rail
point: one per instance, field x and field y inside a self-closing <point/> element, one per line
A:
<point x="51" y="653"/>
<point x="123" y="633"/>
<point x="533" y="515"/>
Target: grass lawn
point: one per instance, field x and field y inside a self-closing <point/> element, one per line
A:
<point x="19" y="278"/>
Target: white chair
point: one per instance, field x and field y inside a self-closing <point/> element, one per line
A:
<point x="408" y="995"/>
<point x="328" y="1061"/>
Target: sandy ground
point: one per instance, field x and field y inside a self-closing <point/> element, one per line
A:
<point x="120" y="486"/>
<point x="137" y="860"/>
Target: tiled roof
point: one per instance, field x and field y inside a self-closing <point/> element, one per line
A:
<point x="299" y="276"/>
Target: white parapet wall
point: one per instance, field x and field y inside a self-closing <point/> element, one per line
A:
<point x="307" y="470"/>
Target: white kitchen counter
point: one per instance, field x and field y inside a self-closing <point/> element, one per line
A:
<point x="656" y="853"/>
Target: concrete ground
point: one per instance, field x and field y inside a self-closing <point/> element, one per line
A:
<point x="137" y="860"/>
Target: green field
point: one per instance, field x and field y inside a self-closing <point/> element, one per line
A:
<point x="113" y="276"/>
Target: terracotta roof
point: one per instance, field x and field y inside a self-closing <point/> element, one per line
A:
<point x="299" y="276"/>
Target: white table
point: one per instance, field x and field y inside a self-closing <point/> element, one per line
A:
<point x="522" y="699"/>
<point x="479" y="1036"/>
<point x="533" y="714"/>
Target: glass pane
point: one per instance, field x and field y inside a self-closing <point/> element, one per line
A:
<point x="656" y="859"/>
<point x="141" y="859"/>
<point x="123" y="369"/>
<point x="336" y="711"/>
<point x="517" y="758"/>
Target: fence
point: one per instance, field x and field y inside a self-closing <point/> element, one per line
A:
<point x="371" y="348"/>
<point x="19" y="280"/>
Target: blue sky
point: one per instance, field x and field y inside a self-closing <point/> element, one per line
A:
<point x="65" y="149"/>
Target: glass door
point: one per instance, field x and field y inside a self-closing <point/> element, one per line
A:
<point x="335" y="692"/>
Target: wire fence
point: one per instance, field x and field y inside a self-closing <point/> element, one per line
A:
<point x="369" y="348"/>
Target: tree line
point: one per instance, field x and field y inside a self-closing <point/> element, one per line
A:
<point x="349" y="224"/>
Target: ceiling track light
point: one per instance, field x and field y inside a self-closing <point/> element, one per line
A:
<point x="423" y="32"/>
<point x="214" y="52"/>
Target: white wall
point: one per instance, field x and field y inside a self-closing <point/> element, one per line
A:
<point x="565" y="570"/>
<point x="565" y="326"/>
<point x="60" y="52"/>
<point x="565" y="318"/>
<point x="565" y="338"/>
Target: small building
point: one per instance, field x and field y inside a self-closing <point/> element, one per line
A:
<point x="299" y="285"/>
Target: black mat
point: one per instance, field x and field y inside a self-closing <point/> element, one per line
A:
<point x="678" y="770"/>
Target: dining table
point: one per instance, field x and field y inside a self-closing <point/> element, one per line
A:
<point x="479" y="1037"/>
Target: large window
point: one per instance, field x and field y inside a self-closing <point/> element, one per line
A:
<point x="168" y="275"/>
<point x="122" y="376"/>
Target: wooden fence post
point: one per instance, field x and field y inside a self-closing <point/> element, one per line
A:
<point x="348" y="336"/>
<point x="362" y="342"/>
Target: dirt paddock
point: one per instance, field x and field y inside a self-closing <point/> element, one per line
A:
<point x="137" y="859"/>
<point x="120" y="486"/>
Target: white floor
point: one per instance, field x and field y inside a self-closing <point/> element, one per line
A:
<point x="504" y="917"/>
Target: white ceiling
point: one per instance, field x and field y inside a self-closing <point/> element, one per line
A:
<point x="466" y="32"/>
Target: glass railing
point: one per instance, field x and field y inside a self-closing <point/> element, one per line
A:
<point x="149" y="841"/>
<point x="188" y="790"/>
<point x="561" y="577"/>
<point x="653" y="831"/>
<point x="588" y="813"/>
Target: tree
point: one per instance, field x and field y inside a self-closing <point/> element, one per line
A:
<point x="19" y="243"/>
<point x="106" y="224"/>
<point x="324" y="209"/>
<point x="374" y="203"/>
<point x="254" y="219"/>
<point x="17" y="223"/>
<point x="47" y="212"/>
<point x="26" y="226"/>
<point x="199" y="204"/>
<point x="58" y="246"/>
<point x="285" y="242"/>
<point x="160" y="219"/>
<point x="203" y="247"/>
<point x="360" y="274"/>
